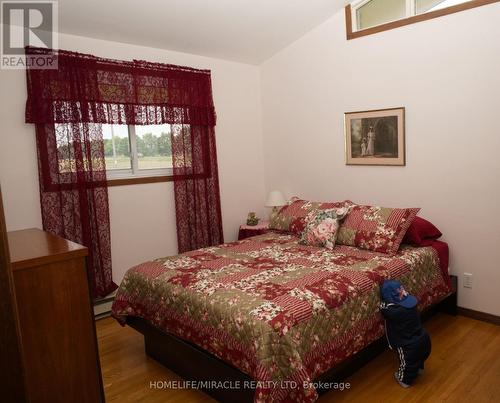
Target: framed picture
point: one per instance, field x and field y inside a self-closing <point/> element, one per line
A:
<point x="375" y="137"/>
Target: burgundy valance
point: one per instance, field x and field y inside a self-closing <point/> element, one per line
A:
<point x="90" y="89"/>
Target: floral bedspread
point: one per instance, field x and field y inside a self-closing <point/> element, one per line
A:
<point x="279" y="311"/>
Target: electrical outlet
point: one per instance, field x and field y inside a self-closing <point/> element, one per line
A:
<point x="468" y="280"/>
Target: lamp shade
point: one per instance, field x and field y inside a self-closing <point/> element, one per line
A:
<point x="275" y="199"/>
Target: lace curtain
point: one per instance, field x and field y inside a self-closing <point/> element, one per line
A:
<point x="74" y="195"/>
<point x="196" y="185"/>
<point x="68" y="105"/>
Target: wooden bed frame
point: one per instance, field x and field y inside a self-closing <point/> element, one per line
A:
<point x="192" y="363"/>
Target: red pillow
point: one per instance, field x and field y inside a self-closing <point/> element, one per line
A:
<point x="421" y="233"/>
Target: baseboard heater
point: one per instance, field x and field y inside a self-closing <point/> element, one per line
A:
<point x="102" y="306"/>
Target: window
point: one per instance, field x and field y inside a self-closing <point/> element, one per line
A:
<point x="375" y="12"/>
<point x="137" y="151"/>
<point x="424" y="6"/>
<point x="364" y="17"/>
<point x="133" y="154"/>
<point x="370" y="13"/>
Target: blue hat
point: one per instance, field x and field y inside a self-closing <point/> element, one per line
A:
<point x="394" y="292"/>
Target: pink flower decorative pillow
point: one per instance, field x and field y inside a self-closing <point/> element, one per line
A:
<point x="321" y="227"/>
<point x="292" y="216"/>
<point x="379" y="229"/>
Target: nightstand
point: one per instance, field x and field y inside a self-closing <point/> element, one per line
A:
<point x="247" y="231"/>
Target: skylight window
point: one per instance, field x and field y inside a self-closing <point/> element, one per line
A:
<point x="371" y="13"/>
<point x="365" y="17"/>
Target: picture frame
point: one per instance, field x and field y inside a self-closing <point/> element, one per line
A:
<point x="375" y="137"/>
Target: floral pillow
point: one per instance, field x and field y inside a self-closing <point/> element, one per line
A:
<point x="292" y="216"/>
<point x="379" y="229"/>
<point x="321" y="227"/>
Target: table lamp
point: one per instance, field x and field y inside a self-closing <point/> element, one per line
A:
<point x="275" y="199"/>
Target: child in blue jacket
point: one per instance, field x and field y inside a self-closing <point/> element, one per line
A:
<point x="404" y="331"/>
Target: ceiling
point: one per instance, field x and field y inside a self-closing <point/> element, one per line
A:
<point x="248" y="31"/>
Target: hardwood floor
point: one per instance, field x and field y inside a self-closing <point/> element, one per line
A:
<point x="464" y="367"/>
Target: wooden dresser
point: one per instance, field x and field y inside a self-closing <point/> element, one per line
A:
<point x="58" y="338"/>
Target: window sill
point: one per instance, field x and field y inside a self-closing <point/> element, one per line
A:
<point x="139" y="180"/>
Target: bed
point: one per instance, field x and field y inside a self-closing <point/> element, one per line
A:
<point x="270" y="310"/>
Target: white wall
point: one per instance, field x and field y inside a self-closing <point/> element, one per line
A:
<point x="143" y="216"/>
<point x="446" y="73"/>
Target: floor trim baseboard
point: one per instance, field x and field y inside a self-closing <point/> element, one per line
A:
<point x="103" y="300"/>
<point x="478" y="315"/>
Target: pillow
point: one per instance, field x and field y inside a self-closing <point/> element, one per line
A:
<point x="421" y="233"/>
<point x="379" y="229"/>
<point x="321" y="227"/>
<point x="292" y="216"/>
